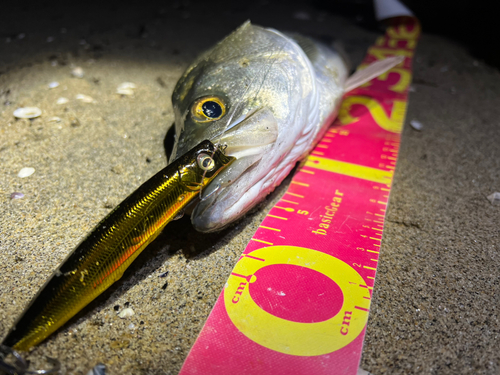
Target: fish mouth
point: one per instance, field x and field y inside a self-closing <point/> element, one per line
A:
<point x="249" y="134"/>
<point x="247" y="138"/>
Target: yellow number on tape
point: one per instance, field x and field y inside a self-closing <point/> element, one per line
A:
<point x="392" y="123"/>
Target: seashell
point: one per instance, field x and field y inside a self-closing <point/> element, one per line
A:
<point x="74" y="121"/>
<point x="54" y="119"/>
<point x="27" y="112"/>
<point x="98" y="369"/>
<point x="417" y="125"/>
<point x="126" y="313"/>
<point x="53" y="85"/>
<point x="494" y="198"/>
<point x="127" y="92"/>
<point x="16" y="195"/>
<point x="77" y="72"/>
<point x="126" y="88"/>
<point x="85" y="98"/>
<point x="26" y="172"/>
<point x="62" y="100"/>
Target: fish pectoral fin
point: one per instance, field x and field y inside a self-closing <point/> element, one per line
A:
<point x="373" y="70"/>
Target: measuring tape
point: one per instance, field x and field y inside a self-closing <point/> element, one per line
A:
<point x="298" y="299"/>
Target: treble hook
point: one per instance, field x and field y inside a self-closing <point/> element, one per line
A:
<point x="20" y="366"/>
<point x="223" y="149"/>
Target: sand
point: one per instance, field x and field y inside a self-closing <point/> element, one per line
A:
<point x="438" y="285"/>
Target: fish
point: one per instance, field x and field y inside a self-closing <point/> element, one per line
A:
<point x="267" y="97"/>
<point x="107" y="251"/>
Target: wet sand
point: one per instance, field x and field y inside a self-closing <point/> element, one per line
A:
<point x="438" y="285"/>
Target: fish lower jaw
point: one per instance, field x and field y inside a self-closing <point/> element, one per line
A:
<point x="219" y="217"/>
<point x="223" y="212"/>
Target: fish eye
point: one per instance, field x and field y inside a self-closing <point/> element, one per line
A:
<point x="208" y="108"/>
<point x="211" y="109"/>
<point x="205" y="162"/>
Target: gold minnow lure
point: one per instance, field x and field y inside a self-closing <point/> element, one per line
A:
<point x="103" y="256"/>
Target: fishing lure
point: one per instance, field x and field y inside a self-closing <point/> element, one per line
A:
<point x="103" y="256"/>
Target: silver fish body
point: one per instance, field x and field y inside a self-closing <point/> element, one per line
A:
<point x="266" y="96"/>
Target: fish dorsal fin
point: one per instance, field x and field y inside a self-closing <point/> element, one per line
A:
<point x="242" y="28"/>
<point x="373" y="70"/>
<point x="307" y="45"/>
<point x="311" y="49"/>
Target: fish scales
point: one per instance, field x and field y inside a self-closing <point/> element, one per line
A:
<point x="103" y="256"/>
<point x="265" y="95"/>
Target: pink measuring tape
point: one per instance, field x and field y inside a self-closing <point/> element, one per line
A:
<point x="297" y="301"/>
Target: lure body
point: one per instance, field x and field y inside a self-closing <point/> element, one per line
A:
<point x="103" y="256"/>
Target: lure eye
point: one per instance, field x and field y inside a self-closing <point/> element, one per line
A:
<point x="205" y="162"/>
<point x="208" y="108"/>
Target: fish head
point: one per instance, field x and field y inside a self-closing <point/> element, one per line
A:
<point x="225" y="97"/>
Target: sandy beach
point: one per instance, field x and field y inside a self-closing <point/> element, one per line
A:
<point x="437" y="291"/>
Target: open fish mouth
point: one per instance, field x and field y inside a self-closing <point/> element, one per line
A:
<point x="247" y="138"/>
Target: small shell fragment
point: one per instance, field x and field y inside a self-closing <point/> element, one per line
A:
<point x="126" y="313"/>
<point x="54" y="119"/>
<point x="85" y="98"/>
<point x="62" y="100"/>
<point x="26" y="172"/>
<point x="98" y="369"/>
<point x="362" y="372"/>
<point x="494" y="198"/>
<point x="74" y="121"/>
<point x="77" y="72"/>
<point x="27" y="112"/>
<point x="53" y="85"/>
<point x="126" y="88"/>
<point x="16" y="195"/>
<point x="417" y="125"/>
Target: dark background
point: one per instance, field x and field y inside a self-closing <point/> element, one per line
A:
<point x="470" y="23"/>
